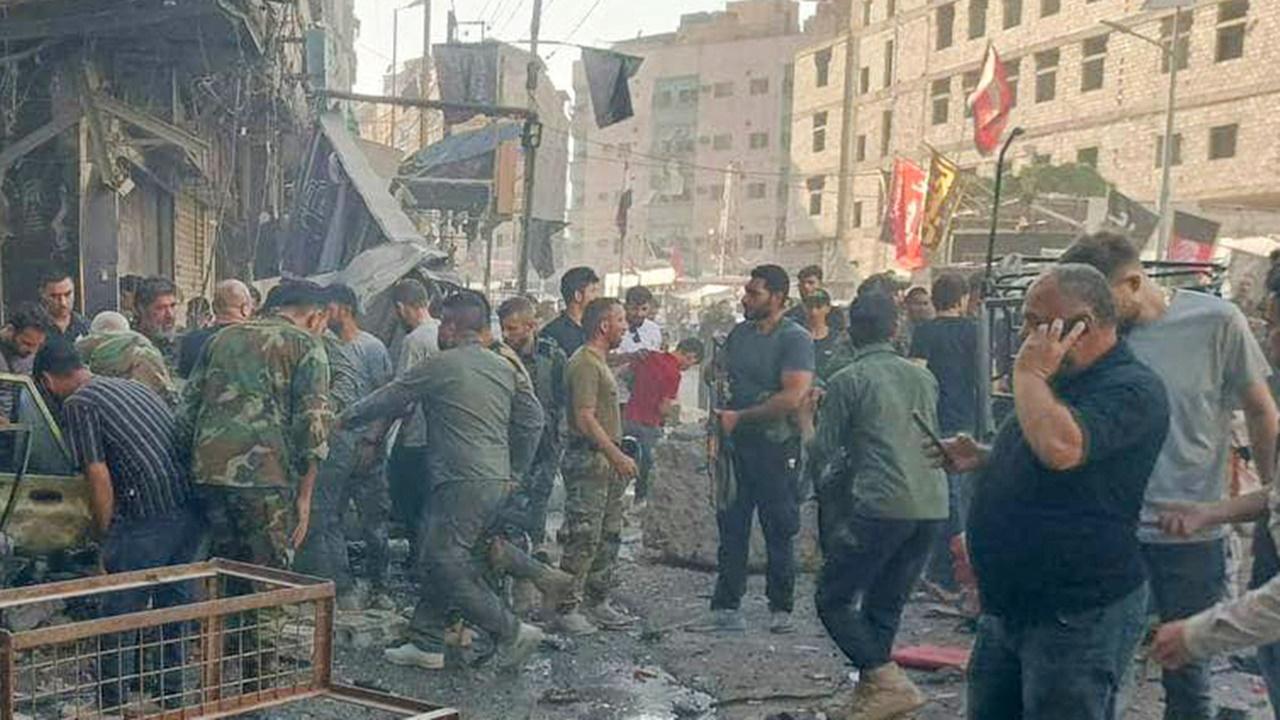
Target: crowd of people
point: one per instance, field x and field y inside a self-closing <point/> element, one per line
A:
<point x="1099" y="501"/>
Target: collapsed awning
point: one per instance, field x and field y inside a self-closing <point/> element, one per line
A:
<point x="369" y="185"/>
<point x="461" y="147"/>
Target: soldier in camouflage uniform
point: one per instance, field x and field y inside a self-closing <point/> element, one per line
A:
<point x="113" y="350"/>
<point x="256" y="411"/>
<point x="358" y="365"/>
<point x="596" y="472"/>
<point x="545" y="362"/>
<point x="472" y="402"/>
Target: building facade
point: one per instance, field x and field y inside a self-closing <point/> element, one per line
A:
<point x="705" y="157"/>
<point x="896" y="84"/>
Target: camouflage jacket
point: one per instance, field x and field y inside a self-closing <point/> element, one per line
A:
<point x="256" y="407"/>
<point x="130" y="355"/>
<point x="546" y="369"/>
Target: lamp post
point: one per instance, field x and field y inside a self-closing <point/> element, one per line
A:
<point x="1170" y="53"/>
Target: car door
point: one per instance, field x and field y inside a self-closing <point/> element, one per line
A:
<point x="44" y="499"/>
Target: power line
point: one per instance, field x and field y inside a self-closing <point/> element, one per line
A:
<point x="582" y="20"/>
<point x="510" y="16"/>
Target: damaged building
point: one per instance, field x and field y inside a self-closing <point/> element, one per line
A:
<point x="156" y="137"/>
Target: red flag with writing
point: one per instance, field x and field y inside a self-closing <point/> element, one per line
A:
<point x="990" y="103"/>
<point x="904" y="215"/>
<point x="1193" y="238"/>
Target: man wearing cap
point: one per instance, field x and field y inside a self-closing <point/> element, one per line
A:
<point x="830" y="351"/>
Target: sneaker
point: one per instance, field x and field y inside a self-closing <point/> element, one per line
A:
<point x="885" y="693"/>
<point x="780" y="623"/>
<point x="410" y="655"/>
<point x="608" y="617"/>
<point x="514" y="654"/>
<point x="720" y="621"/>
<point x="574" y="623"/>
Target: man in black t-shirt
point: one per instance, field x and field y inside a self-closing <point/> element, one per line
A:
<point x="949" y="346"/>
<point x="1053" y="528"/>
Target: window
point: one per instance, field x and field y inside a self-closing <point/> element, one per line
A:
<point x="758" y="140"/>
<point x="722" y="142"/>
<point x="866" y="13"/>
<point x="722" y="89"/>
<point x="662" y="99"/>
<point x="1183" y="50"/>
<point x="891" y="8"/>
<point x="688" y="96"/>
<point x="785" y="141"/>
<point x="1011" y="70"/>
<point x="1012" y="13"/>
<point x="888" y="63"/>
<point x="977" y="18"/>
<point x="815" y="185"/>
<point x="1231" y="27"/>
<point x="759" y="86"/>
<point x="603" y="197"/>
<point x="1050" y="7"/>
<point x="968" y="83"/>
<point x="1046" y="75"/>
<point x="757" y="191"/>
<point x="886" y="132"/>
<point x="788" y="79"/>
<point x="1222" y="142"/>
<point x="857" y="214"/>
<point x="1093" y="66"/>
<point x="864" y="80"/>
<point x="754" y="241"/>
<point x="822" y="67"/>
<point x="940" y="100"/>
<point x="1176" y="150"/>
<point x="820" y="131"/>
<point x="946" y="21"/>
<point x="1087" y="156"/>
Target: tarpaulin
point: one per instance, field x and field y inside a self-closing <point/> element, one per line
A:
<point x="607" y="75"/>
<point x="463" y="146"/>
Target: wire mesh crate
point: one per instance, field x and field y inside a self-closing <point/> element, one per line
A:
<point x="211" y="639"/>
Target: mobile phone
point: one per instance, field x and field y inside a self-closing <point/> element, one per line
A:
<point x="1071" y="324"/>
<point x="929" y="433"/>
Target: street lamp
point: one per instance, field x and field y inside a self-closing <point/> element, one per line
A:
<point x="1170" y="51"/>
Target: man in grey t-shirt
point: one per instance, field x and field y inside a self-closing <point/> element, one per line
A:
<point x="1203" y="350"/>
<point x="407" y="469"/>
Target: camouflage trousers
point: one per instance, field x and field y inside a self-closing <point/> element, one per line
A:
<point x="343" y="479"/>
<point x="592" y="533"/>
<point x="536" y="489"/>
<point x="250" y="524"/>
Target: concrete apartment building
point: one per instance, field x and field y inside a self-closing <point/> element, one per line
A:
<point x="705" y="155"/>
<point x="1085" y="94"/>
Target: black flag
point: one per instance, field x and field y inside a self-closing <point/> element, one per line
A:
<point x="1137" y="222"/>
<point x="607" y="75"/>
<point x="541" y="255"/>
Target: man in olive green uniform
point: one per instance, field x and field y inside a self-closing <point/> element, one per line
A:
<point x="475" y="423"/>
<point x="256" y="409"/>
<point x="596" y="472"/>
<point x="111" y="349"/>
<point x="881" y="503"/>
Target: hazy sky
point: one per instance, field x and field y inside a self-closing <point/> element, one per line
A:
<point x="509" y="20"/>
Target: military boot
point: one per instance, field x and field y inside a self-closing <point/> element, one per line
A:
<point x="885" y="693"/>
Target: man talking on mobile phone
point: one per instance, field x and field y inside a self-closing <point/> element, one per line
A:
<point x="1053" y="525"/>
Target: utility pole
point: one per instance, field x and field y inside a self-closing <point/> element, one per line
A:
<point x="395" y="69"/>
<point x="530" y="139"/>
<point x="1170" y="51"/>
<point x="423" y="76"/>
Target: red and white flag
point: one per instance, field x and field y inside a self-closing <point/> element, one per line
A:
<point x="904" y="214"/>
<point x="990" y="103"/>
<point x="1194" y="238"/>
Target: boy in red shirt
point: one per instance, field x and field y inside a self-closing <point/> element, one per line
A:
<point x="653" y="393"/>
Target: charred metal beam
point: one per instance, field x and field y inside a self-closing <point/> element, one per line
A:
<point x="34" y="139"/>
<point x="195" y="147"/>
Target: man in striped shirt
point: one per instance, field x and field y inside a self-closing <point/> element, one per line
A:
<point x="124" y="438"/>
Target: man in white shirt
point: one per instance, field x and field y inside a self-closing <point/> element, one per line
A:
<point x="409" y="454"/>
